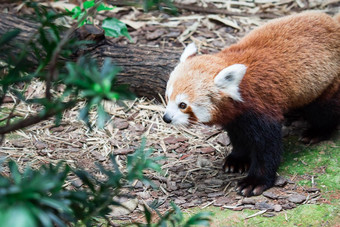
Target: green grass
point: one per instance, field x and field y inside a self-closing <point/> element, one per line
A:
<point x="321" y="161"/>
<point x="304" y="215"/>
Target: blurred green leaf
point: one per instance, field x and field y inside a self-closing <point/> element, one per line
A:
<point x="84" y="115"/>
<point x="102" y="116"/>
<point x="85" y="178"/>
<point x="41" y="216"/>
<point x="115" y="28"/>
<point x="18" y="216"/>
<point x="58" y="205"/>
<point x="102" y="7"/>
<point x="88" y="4"/>
<point x="147" y="214"/>
<point x="202" y="219"/>
<point x="8" y="36"/>
<point x="75" y="12"/>
<point x="16" y="176"/>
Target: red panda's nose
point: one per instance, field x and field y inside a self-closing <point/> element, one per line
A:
<point x="166" y="118"/>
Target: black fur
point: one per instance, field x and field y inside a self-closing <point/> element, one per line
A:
<point x="257" y="143"/>
<point x="323" y="117"/>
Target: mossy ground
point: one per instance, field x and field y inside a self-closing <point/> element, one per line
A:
<point x="322" y="161"/>
<point x="304" y="215"/>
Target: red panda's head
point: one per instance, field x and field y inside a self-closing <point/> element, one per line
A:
<point x="199" y="86"/>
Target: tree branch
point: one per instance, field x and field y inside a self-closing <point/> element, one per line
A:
<point x="34" y="119"/>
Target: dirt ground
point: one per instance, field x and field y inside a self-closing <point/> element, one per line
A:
<point x="192" y="174"/>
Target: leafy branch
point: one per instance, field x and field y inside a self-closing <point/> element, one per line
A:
<point x="40" y="198"/>
<point x="48" y="46"/>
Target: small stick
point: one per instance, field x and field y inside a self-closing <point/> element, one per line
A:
<point x="208" y="204"/>
<point x="256" y="214"/>
<point x="229" y="207"/>
<point x="226" y="187"/>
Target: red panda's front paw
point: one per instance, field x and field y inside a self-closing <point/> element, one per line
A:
<point x="234" y="164"/>
<point x="253" y="186"/>
<point x="312" y="136"/>
<point x="309" y="140"/>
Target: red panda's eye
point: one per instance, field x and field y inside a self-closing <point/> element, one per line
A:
<point x="182" y="105"/>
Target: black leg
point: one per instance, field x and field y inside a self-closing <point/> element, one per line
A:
<point x="257" y="142"/>
<point x="323" y="117"/>
<point x="238" y="161"/>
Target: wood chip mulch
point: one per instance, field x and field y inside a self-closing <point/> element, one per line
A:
<point x="192" y="175"/>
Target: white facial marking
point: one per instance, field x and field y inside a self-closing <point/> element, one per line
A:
<point x="190" y="50"/>
<point x="181" y="98"/>
<point x="202" y="112"/>
<point x="169" y="86"/>
<point x="173" y="111"/>
<point x="169" y="91"/>
<point x="229" y="79"/>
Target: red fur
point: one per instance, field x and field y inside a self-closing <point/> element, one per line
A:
<point x="291" y="62"/>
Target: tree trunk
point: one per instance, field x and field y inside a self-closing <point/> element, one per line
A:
<point x="144" y="69"/>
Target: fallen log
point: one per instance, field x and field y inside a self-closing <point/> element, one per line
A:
<point x="145" y="69"/>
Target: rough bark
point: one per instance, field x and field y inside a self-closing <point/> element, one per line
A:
<point x="145" y="69"/>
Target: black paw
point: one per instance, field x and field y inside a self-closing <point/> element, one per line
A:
<point x="313" y="136"/>
<point x="234" y="164"/>
<point x="253" y="186"/>
<point x="310" y="140"/>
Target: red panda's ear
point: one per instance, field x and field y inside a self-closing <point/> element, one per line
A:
<point x="229" y="79"/>
<point x="190" y="50"/>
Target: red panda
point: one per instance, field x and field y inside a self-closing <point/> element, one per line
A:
<point x="289" y="63"/>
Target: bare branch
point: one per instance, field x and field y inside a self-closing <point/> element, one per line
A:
<point x="35" y="119"/>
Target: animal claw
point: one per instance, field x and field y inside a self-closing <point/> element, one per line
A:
<point x="231" y="168"/>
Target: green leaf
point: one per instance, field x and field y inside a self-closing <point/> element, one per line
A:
<point x="147" y="214"/>
<point x="202" y="219"/>
<point x="18" y="216"/>
<point x="85" y="178"/>
<point x="59" y="206"/>
<point x="84" y="115"/>
<point x="56" y="219"/>
<point x="115" y="28"/>
<point x="8" y="36"/>
<point x="81" y="16"/>
<point x="42" y="216"/>
<point x="102" y="7"/>
<point x="76" y="12"/>
<point x="88" y="4"/>
<point x="58" y="118"/>
<point x="102" y="116"/>
<point x="113" y="95"/>
<point x="109" y="70"/>
<point x="14" y="172"/>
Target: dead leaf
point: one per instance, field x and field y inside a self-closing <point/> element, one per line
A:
<point x="224" y="20"/>
<point x="134" y="24"/>
<point x="189" y="31"/>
